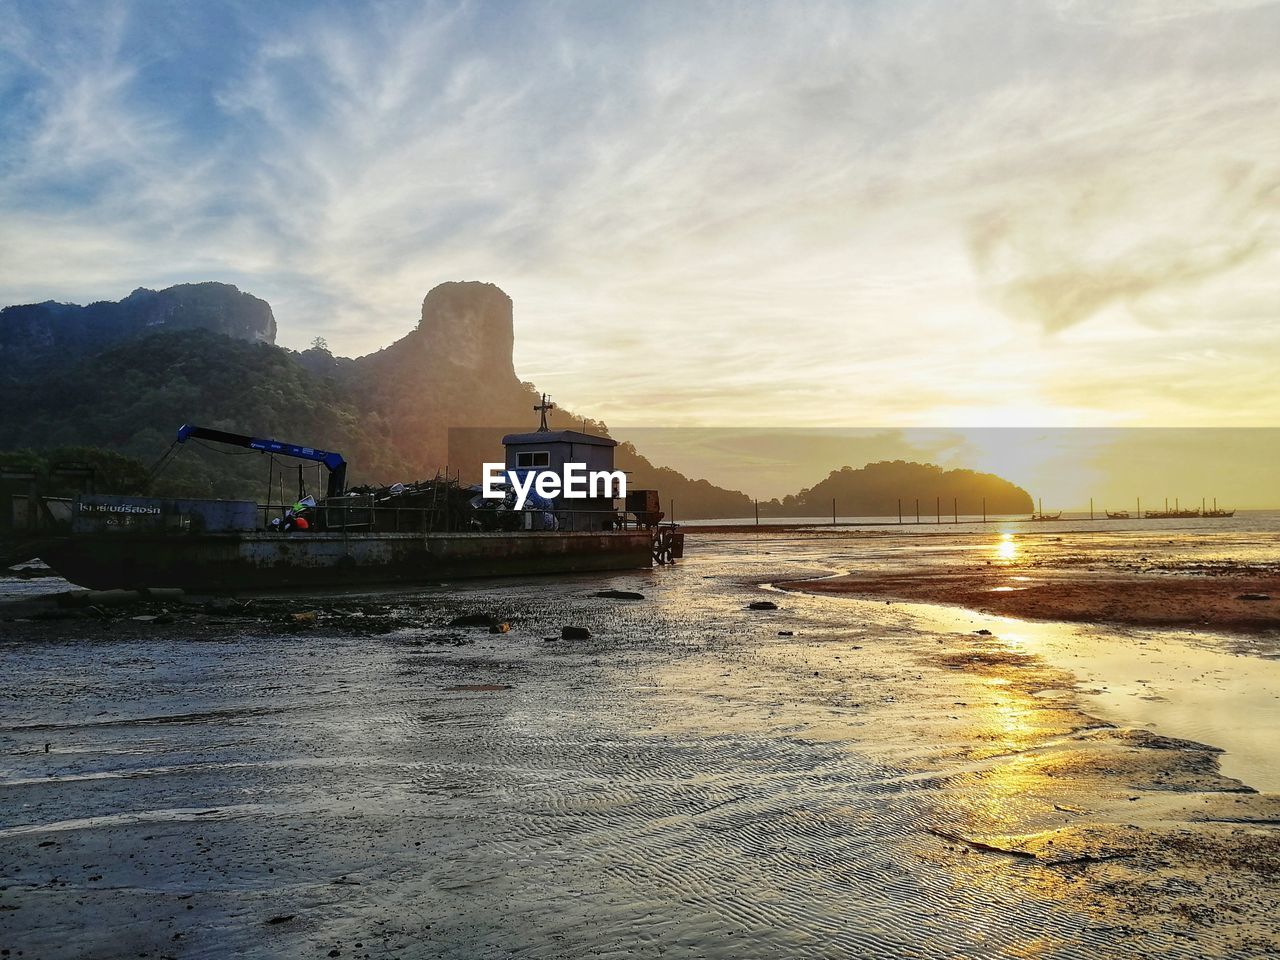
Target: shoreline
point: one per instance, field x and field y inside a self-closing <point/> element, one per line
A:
<point x="1241" y="604"/>
<point x="1151" y="629"/>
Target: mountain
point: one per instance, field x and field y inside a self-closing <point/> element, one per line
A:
<point x="38" y="331"/>
<point x="877" y="489"/>
<point x="131" y="398"/>
<point x="448" y="387"/>
<point x="123" y="376"/>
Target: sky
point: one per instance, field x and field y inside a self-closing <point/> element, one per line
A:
<point x="890" y="215"/>
<point x="1065" y="467"/>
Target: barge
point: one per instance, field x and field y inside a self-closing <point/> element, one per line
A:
<point x="426" y="532"/>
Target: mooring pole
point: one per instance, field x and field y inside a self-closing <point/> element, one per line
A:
<point x="1091" y="508"/>
<point x="984" y="509"/>
<point x="955" y="510"/>
<point x="757" y="503"/>
<point x="900" y="510"/>
<point x="917" y="509"/>
<point x="938" y="507"/>
<point x="833" y="511"/>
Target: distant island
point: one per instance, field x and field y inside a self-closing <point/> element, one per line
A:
<point x="111" y="382"/>
<point x="881" y="489"/>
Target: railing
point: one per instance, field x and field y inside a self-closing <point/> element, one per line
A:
<point x="362" y="515"/>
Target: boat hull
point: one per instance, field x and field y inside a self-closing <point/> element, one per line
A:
<point x="249" y="561"/>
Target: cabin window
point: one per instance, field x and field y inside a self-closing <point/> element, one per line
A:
<point x="533" y="458"/>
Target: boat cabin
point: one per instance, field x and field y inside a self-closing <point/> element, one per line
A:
<point x="550" y="450"/>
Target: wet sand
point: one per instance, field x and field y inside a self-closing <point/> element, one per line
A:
<point x="837" y="777"/>
<point x="1137" y="578"/>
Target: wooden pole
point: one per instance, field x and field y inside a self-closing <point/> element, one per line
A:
<point x="900" y="510"/>
<point x="757" y="503"/>
<point x="984" y="509"/>
<point x="917" y="509"/>
<point x="955" y="510"/>
<point x="938" y="507"/>
<point x="833" y="511"/>
<point x="1091" y="508"/>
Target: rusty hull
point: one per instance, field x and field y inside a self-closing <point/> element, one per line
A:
<point x="249" y="561"/>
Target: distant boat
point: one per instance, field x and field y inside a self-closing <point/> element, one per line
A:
<point x="1177" y="513"/>
<point x="1118" y="515"/>
<point x="1039" y="514"/>
<point x="1215" y="513"/>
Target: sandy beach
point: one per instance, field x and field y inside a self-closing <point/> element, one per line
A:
<point x="840" y="776"/>
<point x="1141" y="579"/>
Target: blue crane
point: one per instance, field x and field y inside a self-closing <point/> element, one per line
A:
<point x="336" y="463"/>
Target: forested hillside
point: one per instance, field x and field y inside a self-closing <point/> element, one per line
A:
<point x="441" y="397"/>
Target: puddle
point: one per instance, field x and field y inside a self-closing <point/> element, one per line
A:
<point x="1180" y="684"/>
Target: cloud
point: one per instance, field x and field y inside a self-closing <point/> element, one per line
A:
<point x="1061" y="257"/>
<point x="815" y="212"/>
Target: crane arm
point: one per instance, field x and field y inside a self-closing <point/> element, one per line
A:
<point x="336" y="463"/>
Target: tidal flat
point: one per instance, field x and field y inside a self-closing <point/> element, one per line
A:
<point x="870" y="773"/>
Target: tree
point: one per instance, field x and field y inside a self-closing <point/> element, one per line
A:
<point x="320" y="343"/>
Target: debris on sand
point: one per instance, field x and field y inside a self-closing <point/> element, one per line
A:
<point x="1056" y="848"/>
<point x="156" y="618"/>
<point x="980" y="845"/>
<point x="620" y="595"/>
<point x="473" y="620"/>
<point x="98" y="598"/>
<point x="985" y="661"/>
<point x="226" y="607"/>
<point x="575" y="633"/>
<point x="500" y="628"/>
<point x="1253" y="596"/>
<point x="1154" y="741"/>
<point x="762" y="605"/>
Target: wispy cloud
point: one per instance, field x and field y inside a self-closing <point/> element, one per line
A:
<point x="1060" y="258"/>
<point x="887" y="213"/>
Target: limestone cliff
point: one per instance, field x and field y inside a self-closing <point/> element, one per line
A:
<point x="33" y="331"/>
<point x="452" y="372"/>
<point x="469" y="325"/>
